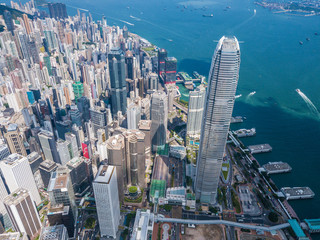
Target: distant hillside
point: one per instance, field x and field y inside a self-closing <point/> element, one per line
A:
<point x="15" y="13"/>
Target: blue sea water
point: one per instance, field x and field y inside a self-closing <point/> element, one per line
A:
<point x="273" y="64"/>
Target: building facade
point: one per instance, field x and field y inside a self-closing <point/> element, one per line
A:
<point x="222" y="85"/>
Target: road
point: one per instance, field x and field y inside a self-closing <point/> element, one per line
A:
<point x="179" y="106"/>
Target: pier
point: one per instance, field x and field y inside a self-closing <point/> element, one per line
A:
<point x="277" y="167"/>
<point x="297" y="193"/>
<point x="260" y="148"/>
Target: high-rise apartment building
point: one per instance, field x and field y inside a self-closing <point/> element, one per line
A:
<point x="222" y="84"/>
<point x="105" y="189"/>
<point x="195" y="110"/>
<point x="23" y="213"/>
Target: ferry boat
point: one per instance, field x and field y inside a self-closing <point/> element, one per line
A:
<point x="298" y="90"/>
<point x="245" y="132"/>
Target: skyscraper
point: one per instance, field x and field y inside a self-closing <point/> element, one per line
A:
<point x="46" y="168"/>
<point x="135" y="157"/>
<point x="222" y="84"/>
<point x="195" y="110"/>
<point x="162" y="54"/>
<point x="170" y="70"/>
<point x="63" y="150"/>
<point x="117" y="157"/>
<point x="159" y="117"/>
<point x="49" y="147"/>
<point x="106" y="195"/>
<point x="17" y="174"/>
<point x="15" y="140"/>
<point x="60" y="189"/>
<point x="26" y="23"/>
<point x="117" y="81"/>
<point x="8" y="20"/>
<point x="57" y="10"/>
<point x="23" y="213"/>
<point x="133" y="115"/>
<point x="99" y="119"/>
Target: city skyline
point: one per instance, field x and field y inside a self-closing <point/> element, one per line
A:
<point x="112" y="136"/>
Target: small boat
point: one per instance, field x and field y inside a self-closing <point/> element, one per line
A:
<point x="228" y="7"/>
<point x="204" y="15"/>
<point x="308" y="39"/>
<point x="298" y="90"/>
<point x="316" y="33"/>
<point x="300" y="42"/>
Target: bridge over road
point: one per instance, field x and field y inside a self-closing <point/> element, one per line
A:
<point x="179" y="106"/>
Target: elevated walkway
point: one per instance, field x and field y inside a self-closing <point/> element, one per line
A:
<point x="224" y="222"/>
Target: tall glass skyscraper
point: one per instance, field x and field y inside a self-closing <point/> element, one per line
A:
<point x="222" y="85"/>
<point x="159" y="117"/>
<point x="118" y="81"/>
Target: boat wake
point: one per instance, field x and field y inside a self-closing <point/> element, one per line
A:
<point x="309" y="103"/>
<point x="131" y="24"/>
<point x="245" y="21"/>
<point x="135" y="18"/>
<point x="82" y="9"/>
<point x="250" y="95"/>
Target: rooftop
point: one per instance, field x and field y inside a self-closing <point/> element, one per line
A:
<point x="59" y="180"/>
<point x="53" y="233"/>
<point x="12" y="127"/>
<point x="145" y="124"/>
<point x="104" y="174"/>
<point x="158" y="185"/>
<point x="228" y="44"/>
<point x="16" y="197"/>
<point x="13" y="159"/>
<point x="134" y="132"/>
<point x="75" y="162"/>
<point x="48" y="164"/>
<point x="313" y="224"/>
<point x="296" y="228"/>
<point x="116" y="142"/>
<point x="45" y="133"/>
<point x="13" y="236"/>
